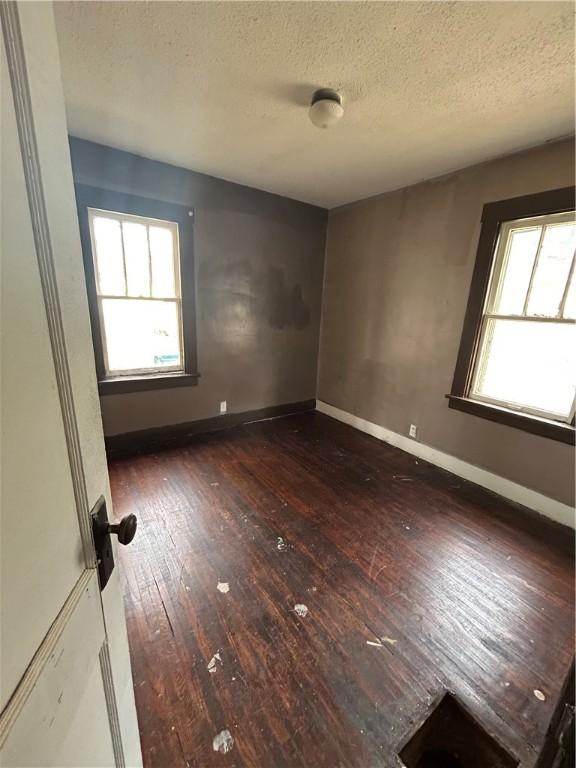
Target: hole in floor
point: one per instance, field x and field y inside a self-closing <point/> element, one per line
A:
<point x="439" y="758"/>
<point x="451" y="738"/>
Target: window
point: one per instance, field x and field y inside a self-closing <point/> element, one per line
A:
<point x="134" y="268"/>
<point x="527" y="353"/>
<point x="137" y="270"/>
<point x="517" y="360"/>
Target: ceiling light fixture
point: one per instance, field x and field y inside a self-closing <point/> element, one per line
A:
<point x="326" y="108"/>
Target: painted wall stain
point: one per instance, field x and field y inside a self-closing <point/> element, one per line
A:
<point x="260" y="293"/>
<point x="283" y="305"/>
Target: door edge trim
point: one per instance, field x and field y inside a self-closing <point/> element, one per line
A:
<point x="112" y="705"/>
<point x="45" y="257"/>
<point x="12" y="33"/>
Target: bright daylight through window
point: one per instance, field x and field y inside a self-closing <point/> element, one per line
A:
<point x="526" y="359"/>
<point x="136" y="263"/>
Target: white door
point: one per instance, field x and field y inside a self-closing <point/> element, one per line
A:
<point x="66" y="695"/>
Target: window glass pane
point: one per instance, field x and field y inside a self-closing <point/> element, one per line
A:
<point x="552" y="270"/>
<point x="136" y="254"/>
<point x="522" y="246"/>
<point x="141" y="334"/>
<point x="570" y="305"/>
<point x="529" y="364"/>
<point x="109" y="259"/>
<point x="162" y="253"/>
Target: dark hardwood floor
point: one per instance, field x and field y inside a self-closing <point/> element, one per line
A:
<point x="415" y="582"/>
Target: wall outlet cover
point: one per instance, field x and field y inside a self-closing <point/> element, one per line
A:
<point x="223" y="406"/>
<point x="413" y="430"/>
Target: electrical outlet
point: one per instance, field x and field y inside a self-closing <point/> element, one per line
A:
<point x="413" y="430"/>
<point x="223" y="406"/>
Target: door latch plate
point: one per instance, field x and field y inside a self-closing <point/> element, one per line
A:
<point x="102" y="541"/>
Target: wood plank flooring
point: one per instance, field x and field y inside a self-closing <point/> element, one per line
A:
<point x="415" y="582"/>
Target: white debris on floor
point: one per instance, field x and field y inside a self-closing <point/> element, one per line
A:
<point x="280" y="544"/>
<point x="212" y="663"/>
<point x="223" y="742"/>
<point x="539" y="695"/>
<point x="223" y="587"/>
<point x="301" y="609"/>
<point x="380" y="642"/>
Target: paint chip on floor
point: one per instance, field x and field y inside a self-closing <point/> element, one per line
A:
<point x="211" y="667"/>
<point x="223" y="587"/>
<point x="223" y="742"/>
<point x="301" y="609"/>
<point x="539" y="695"/>
<point x="380" y="642"/>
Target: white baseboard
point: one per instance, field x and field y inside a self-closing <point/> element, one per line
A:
<point x="555" y="510"/>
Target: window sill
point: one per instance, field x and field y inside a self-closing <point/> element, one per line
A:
<point x="537" y="426"/>
<point x="123" y="384"/>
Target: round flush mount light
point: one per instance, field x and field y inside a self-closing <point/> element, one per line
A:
<point x="326" y="108"/>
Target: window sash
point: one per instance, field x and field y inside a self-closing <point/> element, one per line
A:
<point x="482" y="360"/>
<point x="147" y="222"/>
<point x="501" y="259"/>
<point x="157" y="369"/>
<point x="174" y="299"/>
<point x="495" y="286"/>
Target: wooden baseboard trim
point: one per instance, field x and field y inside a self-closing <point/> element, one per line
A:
<point x="146" y="440"/>
<point x="555" y="510"/>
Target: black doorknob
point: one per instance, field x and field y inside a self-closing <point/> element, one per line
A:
<point x="125" y="529"/>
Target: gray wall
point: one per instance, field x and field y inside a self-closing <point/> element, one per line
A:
<point x="259" y="268"/>
<point x="398" y="270"/>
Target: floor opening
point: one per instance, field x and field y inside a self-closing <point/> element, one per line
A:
<point x="439" y="758"/>
<point x="451" y="738"/>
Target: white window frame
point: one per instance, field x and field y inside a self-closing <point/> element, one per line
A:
<point x="492" y="296"/>
<point x="176" y="299"/>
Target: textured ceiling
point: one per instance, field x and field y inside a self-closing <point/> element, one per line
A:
<point x="223" y="87"/>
